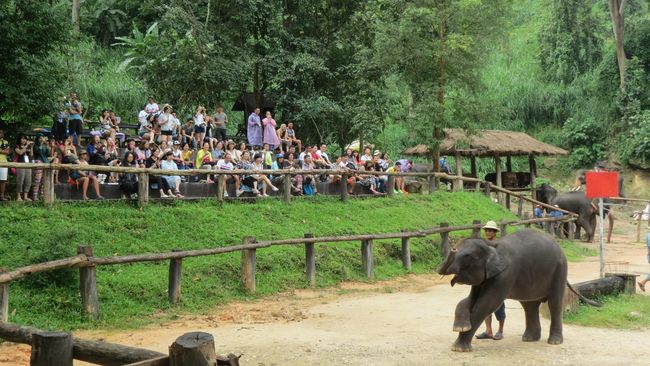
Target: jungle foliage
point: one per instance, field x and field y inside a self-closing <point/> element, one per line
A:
<point x="391" y="72"/>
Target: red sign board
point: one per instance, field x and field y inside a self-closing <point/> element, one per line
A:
<point x="602" y="184"/>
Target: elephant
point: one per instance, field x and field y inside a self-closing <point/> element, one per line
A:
<point x="527" y="266"/>
<point x="578" y="203"/>
<point x="510" y="179"/>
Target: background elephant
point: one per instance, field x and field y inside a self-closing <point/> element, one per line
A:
<point x="527" y="266"/>
<point x="578" y="203"/>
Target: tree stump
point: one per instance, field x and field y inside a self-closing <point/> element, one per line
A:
<point x="193" y="349"/>
<point x="51" y="348"/>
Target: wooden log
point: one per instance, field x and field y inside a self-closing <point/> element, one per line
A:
<point x="48" y="187"/>
<point x="600" y="287"/>
<point x="196" y="349"/>
<point x="221" y="187"/>
<point x="51" y="348"/>
<point x="21" y="272"/>
<point x="367" y="258"/>
<point x="458" y="183"/>
<point x="629" y="281"/>
<point x="248" y="261"/>
<point x="158" y="361"/>
<point x="433" y="183"/>
<point x="310" y="261"/>
<point x="101" y="353"/>
<point x="175" y="275"/>
<point x="344" y="187"/>
<point x="406" y="252"/>
<point x="390" y="186"/>
<point x="4" y="300"/>
<point x="497" y="166"/>
<point x="520" y="208"/>
<point x="444" y="240"/>
<point x="143" y="189"/>
<point x="286" y="188"/>
<point x="88" y="286"/>
<point x="503" y="228"/>
<point x="476" y="231"/>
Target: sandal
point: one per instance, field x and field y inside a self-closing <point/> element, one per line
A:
<point x="484" y="335"/>
<point x="178" y="194"/>
<point x="498" y="336"/>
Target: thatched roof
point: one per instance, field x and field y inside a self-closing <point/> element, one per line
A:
<point x="489" y="143"/>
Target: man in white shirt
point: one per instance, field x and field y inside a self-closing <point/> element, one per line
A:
<point x="308" y="151"/>
<point x="226" y="164"/>
<point x="151" y="107"/>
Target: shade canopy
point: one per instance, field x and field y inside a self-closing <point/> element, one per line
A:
<point x="488" y="143"/>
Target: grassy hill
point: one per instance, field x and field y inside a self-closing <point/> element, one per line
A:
<point x="130" y="295"/>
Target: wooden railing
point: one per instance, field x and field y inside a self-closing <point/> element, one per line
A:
<point x="87" y="262"/>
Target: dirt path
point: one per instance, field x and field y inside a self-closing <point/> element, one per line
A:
<point x="404" y="321"/>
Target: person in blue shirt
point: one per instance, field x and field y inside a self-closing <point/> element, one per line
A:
<point x="444" y="166"/>
<point x="647" y="277"/>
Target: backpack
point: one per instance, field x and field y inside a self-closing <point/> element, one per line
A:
<point x="308" y="190"/>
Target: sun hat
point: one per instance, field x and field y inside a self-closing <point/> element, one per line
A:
<point x="491" y="225"/>
<point x="278" y="156"/>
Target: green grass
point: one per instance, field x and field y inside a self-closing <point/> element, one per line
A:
<point x="133" y="295"/>
<point x="615" y="313"/>
<point x="575" y="251"/>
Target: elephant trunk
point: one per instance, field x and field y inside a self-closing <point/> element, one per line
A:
<point x="442" y="270"/>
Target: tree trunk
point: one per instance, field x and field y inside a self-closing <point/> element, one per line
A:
<point x="442" y="66"/>
<point x="76" y="5"/>
<point x="616" y="8"/>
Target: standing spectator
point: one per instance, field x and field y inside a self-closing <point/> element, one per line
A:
<point x="60" y="124"/>
<point x="41" y="154"/>
<point x="151" y="107"/>
<point x="166" y="122"/>
<point x="23" y="152"/>
<point x="221" y="124"/>
<point x="176" y="126"/>
<point x="4" y="157"/>
<point x="254" y="131"/>
<point x="173" y="181"/>
<point x="490" y="230"/>
<point x="187" y="132"/>
<point x="199" y="124"/>
<point x="270" y="134"/>
<point x="647" y="277"/>
<point x="105" y="124"/>
<point x="290" y="136"/>
<point x="75" y="122"/>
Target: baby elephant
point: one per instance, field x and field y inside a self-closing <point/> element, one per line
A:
<point x="527" y="266"/>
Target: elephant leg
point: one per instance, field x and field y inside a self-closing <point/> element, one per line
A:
<point x="533" y="330"/>
<point x="484" y="305"/>
<point x="610" y="216"/>
<point x="556" y="307"/>
<point x="462" y="317"/>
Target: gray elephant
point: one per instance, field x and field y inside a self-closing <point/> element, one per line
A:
<point x="527" y="266"/>
<point x="578" y="203"/>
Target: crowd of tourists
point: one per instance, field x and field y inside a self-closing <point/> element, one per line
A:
<point x="200" y="142"/>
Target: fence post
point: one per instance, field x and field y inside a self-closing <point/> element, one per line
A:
<point x="48" y="186"/>
<point x="88" y="285"/>
<point x="444" y="240"/>
<point x="406" y="252"/>
<point x="520" y="207"/>
<point x="143" y="189"/>
<point x="572" y="230"/>
<point x="527" y="217"/>
<point x="390" y="186"/>
<point x="248" y="259"/>
<point x="477" y="188"/>
<point x="4" y="299"/>
<point x="196" y="349"/>
<point x="221" y="187"/>
<point x="286" y="188"/>
<point x="367" y="258"/>
<point x="431" y="180"/>
<point x="175" y="274"/>
<point x="310" y="261"/>
<point x="51" y="348"/>
<point x="488" y="189"/>
<point x="344" y="187"/>
<point x="503" y="227"/>
<point x="476" y="232"/>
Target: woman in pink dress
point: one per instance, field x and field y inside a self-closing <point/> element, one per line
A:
<point x="270" y="135"/>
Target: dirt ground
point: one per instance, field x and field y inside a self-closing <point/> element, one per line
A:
<point x="406" y="321"/>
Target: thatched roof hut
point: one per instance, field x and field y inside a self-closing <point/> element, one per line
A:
<point x="489" y="143"/>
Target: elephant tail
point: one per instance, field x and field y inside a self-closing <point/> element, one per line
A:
<point x="584" y="299"/>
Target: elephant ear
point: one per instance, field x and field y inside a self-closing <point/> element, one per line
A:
<point x="495" y="264"/>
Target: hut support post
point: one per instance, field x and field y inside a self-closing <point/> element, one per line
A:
<point x="497" y="166"/>
<point x="458" y="184"/>
<point x="533" y="172"/>
<point x="509" y="170"/>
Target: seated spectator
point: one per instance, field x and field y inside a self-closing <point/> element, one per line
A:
<point x="322" y="154"/>
<point x="85" y="178"/>
<point x="309" y="180"/>
<point x="343" y="163"/>
<point x="356" y="159"/>
<point x="444" y="166"/>
<point x="115" y="120"/>
<point x="96" y="151"/>
<point x="367" y="180"/>
<point x="296" y="180"/>
<point x="259" y="165"/>
<point x="218" y="151"/>
<point x="143" y="152"/>
<point x="278" y="164"/>
<point x="248" y="182"/>
<point x="381" y="180"/>
<point x="267" y="156"/>
<point x="131" y="146"/>
<point x="308" y="151"/>
<point x="106" y="124"/>
<point x="399" y="181"/>
<point x="146" y="129"/>
<point x="177" y="154"/>
<point x="367" y="155"/>
<point x="173" y="181"/>
<point x="290" y="137"/>
<point x="129" y="181"/>
<point x="186" y="156"/>
<point x="234" y="153"/>
<point x="204" y="160"/>
<point x="292" y="151"/>
<point x="226" y="164"/>
<point x="155" y="181"/>
<point x="69" y="151"/>
<point x="176" y="126"/>
<point x="54" y="158"/>
<point x="284" y="143"/>
<point x="111" y="156"/>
